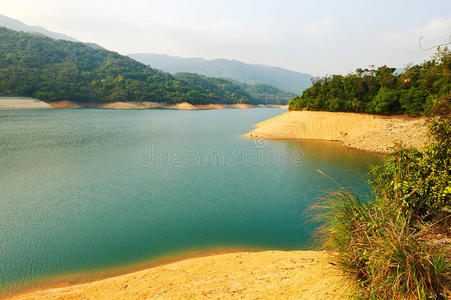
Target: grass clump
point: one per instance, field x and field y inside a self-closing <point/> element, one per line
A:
<point x="397" y="244"/>
<point x="376" y="242"/>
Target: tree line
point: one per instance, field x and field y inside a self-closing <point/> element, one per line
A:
<point x="381" y="90"/>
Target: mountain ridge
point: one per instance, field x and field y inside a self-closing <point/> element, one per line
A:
<point x="17" y="25"/>
<point x="283" y="79"/>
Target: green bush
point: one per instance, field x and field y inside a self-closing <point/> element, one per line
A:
<point x="421" y="179"/>
<point x="385" y="103"/>
<point x="412" y="100"/>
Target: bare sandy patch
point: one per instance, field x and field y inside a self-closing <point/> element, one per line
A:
<point x="242" y="106"/>
<point x="211" y="106"/>
<point x="360" y="131"/>
<point x="130" y="105"/>
<point x="64" y="104"/>
<point x="243" y="275"/>
<point x="182" y="106"/>
<point x="7" y="103"/>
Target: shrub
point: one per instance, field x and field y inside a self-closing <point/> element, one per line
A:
<point x="421" y="180"/>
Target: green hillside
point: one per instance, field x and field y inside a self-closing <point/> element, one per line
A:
<point x="47" y="69"/>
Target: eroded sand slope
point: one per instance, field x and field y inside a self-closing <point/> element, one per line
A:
<point x="361" y="131"/>
<point x="257" y="275"/>
<point x="7" y="103"/>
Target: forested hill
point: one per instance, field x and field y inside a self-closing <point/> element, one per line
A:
<point x="50" y="70"/>
<point x="256" y="93"/>
<point x="381" y="90"/>
<point x="283" y="79"/>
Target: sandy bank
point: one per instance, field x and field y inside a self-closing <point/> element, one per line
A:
<point x="28" y="103"/>
<point x="211" y="106"/>
<point x="127" y="105"/>
<point x="359" y="131"/>
<point x="21" y="103"/>
<point x="263" y="275"/>
<point x="241" y="106"/>
<point x="64" y="104"/>
<point x="183" y="106"/>
<point x="178" y="106"/>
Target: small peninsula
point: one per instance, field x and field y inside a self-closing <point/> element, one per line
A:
<point x="373" y="133"/>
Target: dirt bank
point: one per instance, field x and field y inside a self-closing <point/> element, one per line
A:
<point x="211" y="106"/>
<point x="64" y="104"/>
<point x="360" y="131"/>
<point x="127" y="105"/>
<point x="183" y="106"/>
<point x="7" y="103"/>
<point x="242" y="106"/>
<point x="262" y="275"/>
<point x="30" y="103"/>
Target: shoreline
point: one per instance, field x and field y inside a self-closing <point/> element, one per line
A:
<point x="248" y="274"/>
<point x="373" y="133"/>
<point x="94" y="275"/>
<point x="15" y="103"/>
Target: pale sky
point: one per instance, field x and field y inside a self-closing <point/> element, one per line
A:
<point x="317" y="37"/>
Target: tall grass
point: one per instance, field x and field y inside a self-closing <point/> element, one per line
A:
<point x="390" y="242"/>
<point x="376" y="243"/>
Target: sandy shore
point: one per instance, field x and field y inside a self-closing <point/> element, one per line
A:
<point x="244" y="275"/>
<point x="21" y="103"/>
<point x="30" y="103"/>
<point x="64" y="104"/>
<point x="241" y="106"/>
<point x="183" y="106"/>
<point x="126" y="105"/>
<point x="360" y="131"/>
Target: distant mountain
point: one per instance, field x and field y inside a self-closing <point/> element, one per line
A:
<point x="19" y="26"/>
<point x="282" y="79"/>
<point x="16" y="25"/>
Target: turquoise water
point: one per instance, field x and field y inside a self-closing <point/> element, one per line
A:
<point x="88" y="189"/>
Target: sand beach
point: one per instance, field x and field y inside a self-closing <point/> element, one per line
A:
<point x="243" y="275"/>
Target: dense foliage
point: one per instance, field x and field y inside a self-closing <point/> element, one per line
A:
<point x="50" y="70"/>
<point x="424" y="178"/>
<point x="394" y="243"/>
<point x="381" y="90"/>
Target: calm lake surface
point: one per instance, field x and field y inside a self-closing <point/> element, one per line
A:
<point x="85" y="190"/>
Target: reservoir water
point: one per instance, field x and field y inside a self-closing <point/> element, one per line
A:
<point x="85" y="190"/>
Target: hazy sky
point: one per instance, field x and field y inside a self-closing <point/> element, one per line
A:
<point x="317" y="37"/>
